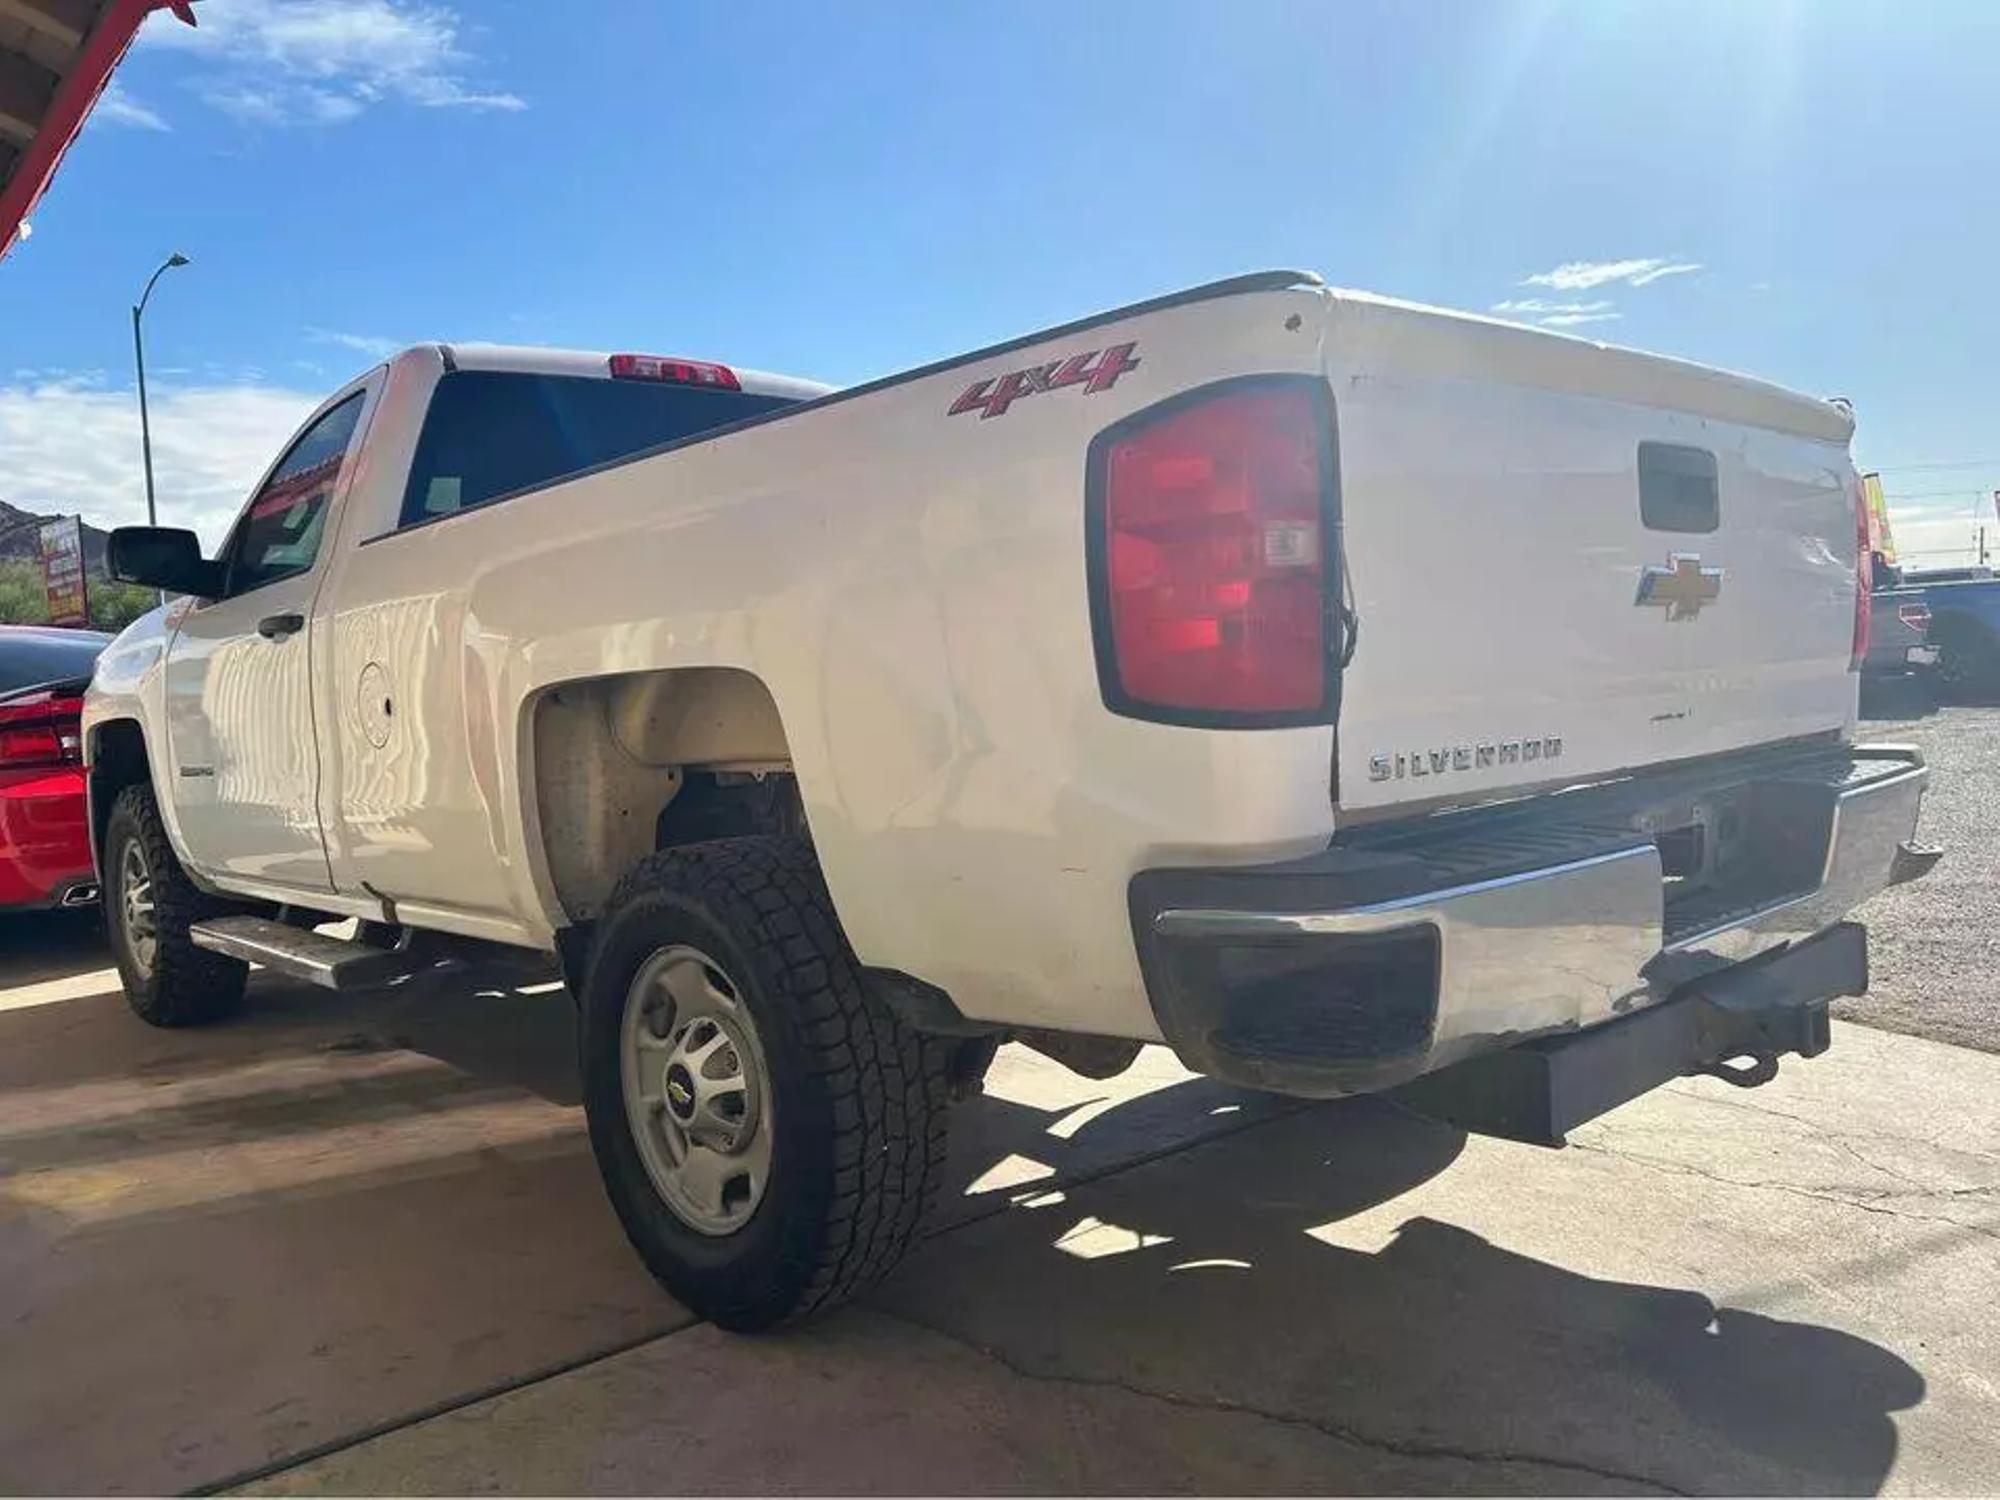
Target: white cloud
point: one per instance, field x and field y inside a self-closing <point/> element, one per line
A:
<point x="361" y="343"/>
<point x="306" y="105"/>
<point x="251" y="106"/>
<point x="1583" y="275"/>
<point x="1539" y="306"/>
<point x="1559" y="314"/>
<point x="324" y="107"/>
<point x="69" y="446"/>
<point x="119" y="107"/>
<point x="320" y="62"/>
<point x="1671" y="268"/>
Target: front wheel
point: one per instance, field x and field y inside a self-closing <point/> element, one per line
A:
<point x="149" y="904"/>
<point x="769" y="1134"/>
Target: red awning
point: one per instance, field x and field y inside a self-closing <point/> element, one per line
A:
<point x="55" y="57"/>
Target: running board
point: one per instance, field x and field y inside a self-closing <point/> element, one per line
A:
<point x="331" y="963"/>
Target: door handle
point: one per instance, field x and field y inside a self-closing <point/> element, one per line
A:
<point x="277" y="627"/>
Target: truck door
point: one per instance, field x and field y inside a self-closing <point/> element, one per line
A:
<point x="239" y="686"/>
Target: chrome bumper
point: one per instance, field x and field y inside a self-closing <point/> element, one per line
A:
<point x="1349" y="995"/>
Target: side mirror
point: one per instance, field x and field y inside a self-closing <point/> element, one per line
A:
<point x="162" y="557"/>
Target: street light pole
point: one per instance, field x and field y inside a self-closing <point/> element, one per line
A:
<point x="139" y="357"/>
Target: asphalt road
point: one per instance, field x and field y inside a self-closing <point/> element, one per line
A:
<point x="1934" y="951"/>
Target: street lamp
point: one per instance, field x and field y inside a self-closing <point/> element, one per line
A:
<point x="139" y="354"/>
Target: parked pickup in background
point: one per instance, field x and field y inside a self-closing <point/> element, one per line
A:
<point x="1960" y="608"/>
<point x="1899" y="623"/>
<point x="1350" y="695"/>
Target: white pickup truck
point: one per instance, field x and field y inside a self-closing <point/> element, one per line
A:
<point x="1349" y="694"/>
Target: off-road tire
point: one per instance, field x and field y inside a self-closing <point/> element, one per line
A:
<point x="860" y="1099"/>
<point x="1968" y="668"/>
<point x="188" y="986"/>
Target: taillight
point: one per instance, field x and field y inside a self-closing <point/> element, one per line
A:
<point x="1209" y="554"/>
<point x="673" y="371"/>
<point x="41" y="730"/>
<point x="1917" y="616"/>
<point x="1864" y="567"/>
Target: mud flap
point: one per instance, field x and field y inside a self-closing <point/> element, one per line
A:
<point x="1734" y="1023"/>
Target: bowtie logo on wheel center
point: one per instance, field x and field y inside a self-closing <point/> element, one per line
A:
<point x="680" y="1092"/>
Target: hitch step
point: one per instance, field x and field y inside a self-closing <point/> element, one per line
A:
<point x="1758" y="1011"/>
<point x="331" y="963"/>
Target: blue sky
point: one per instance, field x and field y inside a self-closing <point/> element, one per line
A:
<point x="1803" y="189"/>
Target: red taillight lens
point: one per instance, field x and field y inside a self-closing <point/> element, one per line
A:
<point x="1212" y="602"/>
<point x="1916" y="616"/>
<point x="42" y="730"/>
<point x="1864" y="568"/>
<point x="673" y="371"/>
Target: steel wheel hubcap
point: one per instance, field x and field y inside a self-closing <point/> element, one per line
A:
<point x="697" y="1090"/>
<point x="135" y="901"/>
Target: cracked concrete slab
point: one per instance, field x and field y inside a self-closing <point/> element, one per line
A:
<point x="900" y="1409"/>
<point x="1715" y="1291"/>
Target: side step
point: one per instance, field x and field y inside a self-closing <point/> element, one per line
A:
<point x="331" y="963"/>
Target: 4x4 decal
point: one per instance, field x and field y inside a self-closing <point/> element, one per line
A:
<point x="1094" y="370"/>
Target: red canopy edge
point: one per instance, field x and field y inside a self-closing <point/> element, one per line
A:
<point x="116" y="25"/>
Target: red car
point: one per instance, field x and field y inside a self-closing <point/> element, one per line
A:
<point x="44" y="820"/>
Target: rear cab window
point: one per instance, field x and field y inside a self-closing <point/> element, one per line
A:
<point x="492" y="433"/>
<point x="1677" y="488"/>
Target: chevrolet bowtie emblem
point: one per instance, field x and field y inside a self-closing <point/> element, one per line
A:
<point x="1682" y="587"/>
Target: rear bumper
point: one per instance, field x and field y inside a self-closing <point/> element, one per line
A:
<point x="1397" y="953"/>
<point x="44" y="839"/>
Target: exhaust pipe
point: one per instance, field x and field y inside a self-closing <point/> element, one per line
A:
<point x="84" y="894"/>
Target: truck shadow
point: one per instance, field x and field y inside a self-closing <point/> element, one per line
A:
<point x="1273" y="1271"/>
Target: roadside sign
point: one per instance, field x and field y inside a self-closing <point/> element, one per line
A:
<point x="62" y="571"/>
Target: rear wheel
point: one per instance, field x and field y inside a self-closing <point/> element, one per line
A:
<point x="1968" y="664"/>
<point x="769" y="1135"/>
<point x="149" y="904"/>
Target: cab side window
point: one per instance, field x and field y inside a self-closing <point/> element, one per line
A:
<point x="280" y="533"/>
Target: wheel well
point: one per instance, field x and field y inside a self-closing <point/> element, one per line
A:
<point x="626" y="765"/>
<point x="117" y="760"/>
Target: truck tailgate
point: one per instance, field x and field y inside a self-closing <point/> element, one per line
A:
<point x="1569" y="560"/>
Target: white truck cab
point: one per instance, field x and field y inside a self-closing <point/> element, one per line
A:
<point x="263" y="802"/>
<point x="1350" y="695"/>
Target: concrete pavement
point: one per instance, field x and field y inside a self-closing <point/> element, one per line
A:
<point x="223" y="1251"/>
<point x="1711" y="1292"/>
